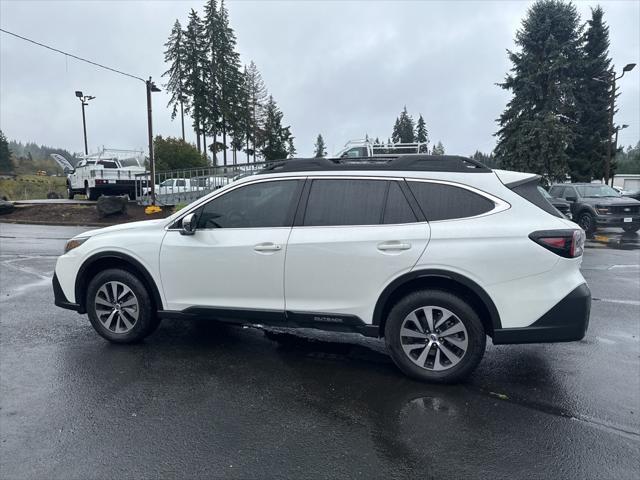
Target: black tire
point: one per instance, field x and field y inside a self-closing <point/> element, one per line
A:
<point x="70" y="194"/>
<point x="475" y="336"/>
<point x="587" y="222"/>
<point x="90" y="193"/>
<point x="146" y="322"/>
<point x="631" y="228"/>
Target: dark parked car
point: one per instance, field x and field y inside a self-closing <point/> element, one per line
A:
<point x="634" y="194"/>
<point x="562" y="206"/>
<point x="596" y="205"/>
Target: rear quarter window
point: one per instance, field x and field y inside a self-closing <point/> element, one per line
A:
<point x="440" y="201"/>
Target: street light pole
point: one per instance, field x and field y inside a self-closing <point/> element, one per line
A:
<point x="84" y="101"/>
<point x="151" y="87"/>
<point x="607" y="165"/>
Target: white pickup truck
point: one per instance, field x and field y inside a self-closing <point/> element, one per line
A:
<point x="102" y="174"/>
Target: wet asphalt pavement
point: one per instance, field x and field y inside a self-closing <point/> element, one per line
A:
<point x="197" y="400"/>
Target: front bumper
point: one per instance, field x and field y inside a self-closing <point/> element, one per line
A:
<point x="567" y="321"/>
<point x="617" y="221"/>
<point x="60" y="299"/>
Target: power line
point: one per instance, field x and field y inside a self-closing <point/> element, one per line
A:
<point x="72" y="55"/>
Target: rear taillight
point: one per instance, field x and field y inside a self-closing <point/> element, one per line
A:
<point x="566" y="243"/>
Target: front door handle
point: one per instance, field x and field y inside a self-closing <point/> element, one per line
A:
<point x="267" y="247"/>
<point x="394" y="246"/>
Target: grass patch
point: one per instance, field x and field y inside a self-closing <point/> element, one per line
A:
<point x="30" y="187"/>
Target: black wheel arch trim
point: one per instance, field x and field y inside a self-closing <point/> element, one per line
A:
<point x="436" y="273"/>
<point x="82" y="282"/>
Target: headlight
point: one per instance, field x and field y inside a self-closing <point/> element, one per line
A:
<point x="74" y="243"/>
<point x="602" y="210"/>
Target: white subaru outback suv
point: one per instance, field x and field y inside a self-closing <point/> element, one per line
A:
<point x="433" y="253"/>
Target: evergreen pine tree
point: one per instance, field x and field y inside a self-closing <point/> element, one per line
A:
<point x="175" y="56"/>
<point x="257" y="97"/>
<point x="397" y="131"/>
<point x="538" y="126"/>
<point x="195" y="58"/>
<point x="438" y="149"/>
<point x="291" y="149"/>
<point x="6" y="165"/>
<point x="403" y="129"/>
<point x="594" y="94"/>
<point x="228" y="69"/>
<point x="422" y="135"/>
<point x="212" y="32"/>
<point x="320" y="149"/>
<point x="275" y="141"/>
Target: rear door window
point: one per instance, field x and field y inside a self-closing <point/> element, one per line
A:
<point x="397" y="208"/>
<point x="440" y="201"/>
<point x="345" y="202"/>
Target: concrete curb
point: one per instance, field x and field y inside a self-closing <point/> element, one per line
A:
<point x="61" y="224"/>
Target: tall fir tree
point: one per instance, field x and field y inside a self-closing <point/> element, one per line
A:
<point x="175" y="55"/>
<point x="275" y="137"/>
<point x="194" y="85"/>
<point x="6" y="166"/>
<point x="590" y="148"/>
<point x="320" y="149"/>
<point x="438" y="149"/>
<point x="228" y="68"/>
<point x="537" y="129"/>
<point x="422" y="135"/>
<point x="257" y="98"/>
<point x="212" y="33"/>
<point x="291" y="148"/>
<point x="403" y="129"/>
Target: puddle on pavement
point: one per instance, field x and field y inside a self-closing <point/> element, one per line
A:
<point x="614" y="240"/>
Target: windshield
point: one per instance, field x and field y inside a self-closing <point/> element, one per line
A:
<point x="596" y="191"/>
<point x="129" y="162"/>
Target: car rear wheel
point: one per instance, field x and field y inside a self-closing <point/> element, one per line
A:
<point x="587" y="222"/>
<point x="120" y="307"/>
<point x="90" y="193"/>
<point x="631" y="228"/>
<point x="435" y="336"/>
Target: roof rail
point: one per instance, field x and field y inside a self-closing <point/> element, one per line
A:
<point x="412" y="162"/>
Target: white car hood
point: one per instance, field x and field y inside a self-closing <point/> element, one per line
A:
<point x="124" y="226"/>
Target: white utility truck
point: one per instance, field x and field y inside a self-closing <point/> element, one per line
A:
<point x="108" y="172"/>
<point x="367" y="148"/>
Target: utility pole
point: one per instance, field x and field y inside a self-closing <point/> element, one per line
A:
<point x="607" y="164"/>
<point x="84" y="101"/>
<point x="151" y="87"/>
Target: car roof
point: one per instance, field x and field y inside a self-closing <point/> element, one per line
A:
<point x="410" y="162"/>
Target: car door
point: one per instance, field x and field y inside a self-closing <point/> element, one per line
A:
<point x="352" y="238"/>
<point x="235" y="259"/>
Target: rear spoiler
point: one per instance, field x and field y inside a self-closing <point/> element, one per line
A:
<point x="526" y="185"/>
<point x="513" y="179"/>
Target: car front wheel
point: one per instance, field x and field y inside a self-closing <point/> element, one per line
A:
<point x="587" y="222"/>
<point x="435" y="336"/>
<point x="631" y="228"/>
<point x="120" y="307"/>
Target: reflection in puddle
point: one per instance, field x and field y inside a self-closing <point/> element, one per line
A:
<point x="424" y="407"/>
<point x="614" y="239"/>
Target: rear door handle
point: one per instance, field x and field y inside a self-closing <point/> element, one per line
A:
<point x="394" y="246"/>
<point x="267" y="247"/>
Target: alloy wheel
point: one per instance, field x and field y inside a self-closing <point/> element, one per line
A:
<point x="117" y="307"/>
<point x="434" y="338"/>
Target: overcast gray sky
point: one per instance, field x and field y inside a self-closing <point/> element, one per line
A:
<point x="338" y="68"/>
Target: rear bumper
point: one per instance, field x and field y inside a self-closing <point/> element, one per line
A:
<point x="567" y="321"/>
<point x="60" y="299"/>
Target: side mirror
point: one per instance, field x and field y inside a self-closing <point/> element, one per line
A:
<point x="188" y="224"/>
<point x="571" y="199"/>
